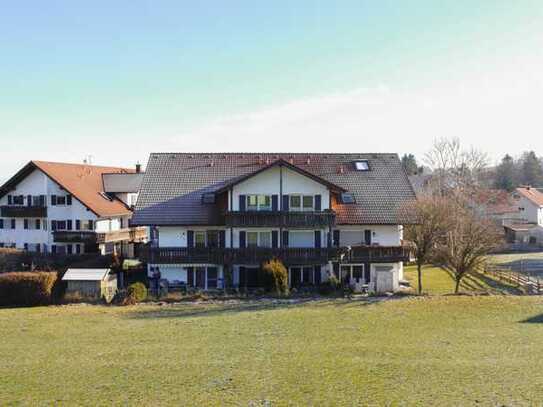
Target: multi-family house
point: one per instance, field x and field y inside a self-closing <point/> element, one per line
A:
<point x="215" y="218"/>
<point x="69" y="209"/>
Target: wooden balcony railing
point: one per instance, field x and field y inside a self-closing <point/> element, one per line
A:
<point x="288" y="255"/>
<point x="132" y="235"/>
<point x="23" y="211"/>
<point x="280" y="219"/>
<point x="76" y="236"/>
<point x="376" y="254"/>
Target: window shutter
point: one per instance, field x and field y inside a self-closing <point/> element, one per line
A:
<point x="222" y="239"/>
<point x="242" y="239"/>
<point x="13" y="224"/>
<point x="317" y="239"/>
<point x="1" y="223"/>
<point x="53" y="225"/>
<point x="318" y="203"/>
<point x="190" y="238"/>
<point x="317" y="275"/>
<point x="367" y="237"/>
<point x="275" y="239"/>
<point x="242" y="203"/>
<point x="275" y="202"/>
<point x="77" y="224"/>
<point x="91" y="225"/>
<point x="68" y="199"/>
<point x="285" y="202"/>
<point x="190" y="276"/>
<point x="285" y="238"/>
<point x="29" y="200"/>
<point x="10" y="200"/>
<point x="69" y="224"/>
<point x="26" y="223"/>
<point x="53" y="200"/>
<point x="38" y="224"/>
<point x="335" y="240"/>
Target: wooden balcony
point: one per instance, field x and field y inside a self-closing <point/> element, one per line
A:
<point x="131" y="235"/>
<point x="76" y="236"/>
<point x="280" y="219"/>
<point x="376" y="254"/>
<point x="12" y="211"/>
<point x="289" y="255"/>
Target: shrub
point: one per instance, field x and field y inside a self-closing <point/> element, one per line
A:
<point x="275" y="277"/>
<point x="136" y="292"/>
<point x="27" y="288"/>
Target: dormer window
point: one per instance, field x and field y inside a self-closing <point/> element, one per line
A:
<point x="347" y="198"/>
<point x="362" y="165"/>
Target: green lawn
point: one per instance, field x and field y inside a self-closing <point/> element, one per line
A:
<point x="410" y="351"/>
<point x="436" y="281"/>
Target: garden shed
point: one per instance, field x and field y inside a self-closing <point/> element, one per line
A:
<point x="91" y="283"/>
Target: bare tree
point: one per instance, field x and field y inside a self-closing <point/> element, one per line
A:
<point x="455" y="169"/>
<point x="429" y="221"/>
<point x="468" y="240"/>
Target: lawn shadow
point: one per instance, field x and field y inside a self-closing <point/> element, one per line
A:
<point x="202" y="309"/>
<point x="538" y="319"/>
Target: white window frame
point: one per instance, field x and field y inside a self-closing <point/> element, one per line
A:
<point x="259" y="239"/>
<point x="259" y="206"/>
<point x="197" y="233"/>
<point x="301" y="208"/>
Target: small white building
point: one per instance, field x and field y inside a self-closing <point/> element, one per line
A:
<point x="64" y="208"/>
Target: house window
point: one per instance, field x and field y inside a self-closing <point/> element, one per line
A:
<point x="302" y="202"/>
<point x="252" y="202"/>
<point x="295" y="202"/>
<point x="18" y="200"/>
<point x="61" y="225"/>
<point x="87" y="225"/>
<point x="199" y="239"/>
<point x="307" y="201"/>
<point x="265" y="239"/>
<point x="252" y="239"/>
<point x="259" y="202"/>
<point x="61" y="200"/>
<point x="362" y="165"/>
<point x="212" y="274"/>
<point x="212" y="238"/>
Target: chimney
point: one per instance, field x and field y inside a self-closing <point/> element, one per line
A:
<point x="138" y="168"/>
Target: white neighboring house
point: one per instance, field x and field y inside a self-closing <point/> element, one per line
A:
<point x="215" y="218"/>
<point x="64" y="209"/>
<point x="527" y="228"/>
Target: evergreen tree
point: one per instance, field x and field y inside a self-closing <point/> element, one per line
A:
<point x="532" y="173"/>
<point x="409" y="162"/>
<point x="506" y="174"/>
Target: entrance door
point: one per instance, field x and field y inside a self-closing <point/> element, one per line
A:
<point x="200" y="277"/>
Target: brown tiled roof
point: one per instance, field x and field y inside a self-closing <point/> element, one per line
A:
<point x="531" y="194"/>
<point x="83" y="181"/>
<point x="173" y="185"/>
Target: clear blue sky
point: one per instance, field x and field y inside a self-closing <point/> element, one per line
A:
<point x="119" y="79"/>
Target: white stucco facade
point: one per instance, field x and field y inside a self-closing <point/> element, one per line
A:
<point x="64" y="213"/>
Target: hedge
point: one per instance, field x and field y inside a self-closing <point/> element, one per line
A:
<point x="28" y="288"/>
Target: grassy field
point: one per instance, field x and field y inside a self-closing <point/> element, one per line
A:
<point x="436" y="281"/>
<point x="413" y="351"/>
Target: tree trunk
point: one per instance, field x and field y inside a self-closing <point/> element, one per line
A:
<point x="419" y="272"/>
<point x="457" y="285"/>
